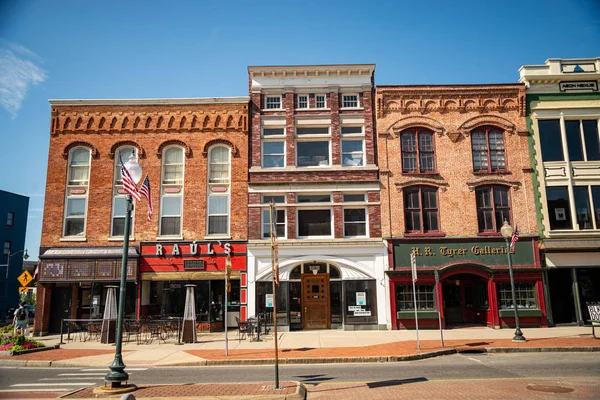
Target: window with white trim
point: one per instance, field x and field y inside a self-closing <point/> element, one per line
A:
<point x="10" y="219"/>
<point x="280" y="217"/>
<point x="171" y="202"/>
<point x="77" y="192"/>
<point x="273" y="102"/>
<point x="117" y="228"/>
<point x="219" y="167"/>
<point x="350" y="100"/>
<point x="313" y="146"/>
<point x="273" y="147"/>
<point x="352" y="146"/>
<point x="355" y="222"/>
<point x="302" y="101"/>
<point x="315" y="221"/>
<point x="320" y="101"/>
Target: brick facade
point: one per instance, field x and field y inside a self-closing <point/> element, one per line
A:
<point x="452" y="113"/>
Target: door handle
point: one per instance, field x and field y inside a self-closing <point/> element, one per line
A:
<point x="305" y="309"/>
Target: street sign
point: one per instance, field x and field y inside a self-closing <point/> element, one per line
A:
<point x="413" y="266"/>
<point x="23" y="289"/>
<point x="25" y="278"/>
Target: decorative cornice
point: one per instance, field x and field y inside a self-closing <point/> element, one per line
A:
<point x="150" y="121"/>
<point x="439" y="183"/>
<point x="114" y="147"/>
<point x="416" y="121"/>
<point x="188" y="150"/>
<point x="234" y="150"/>
<point x="486" y="119"/>
<point x="71" y="145"/>
<point x="492" y="181"/>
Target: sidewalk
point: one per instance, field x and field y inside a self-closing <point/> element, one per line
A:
<point x="323" y="346"/>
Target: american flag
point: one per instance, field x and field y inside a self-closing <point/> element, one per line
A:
<point x="145" y="191"/>
<point x="37" y="270"/>
<point x="515" y="237"/>
<point x="128" y="183"/>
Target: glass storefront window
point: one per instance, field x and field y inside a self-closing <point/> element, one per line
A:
<point x="360" y="291"/>
<point x="336" y="302"/>
<point x="524" y="294"/>
<point x="265" y="288"/>
<point x="406" y="302"/>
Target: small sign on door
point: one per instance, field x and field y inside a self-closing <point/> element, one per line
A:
<point x="269" y="300"/>
<point x="361" y="299"/>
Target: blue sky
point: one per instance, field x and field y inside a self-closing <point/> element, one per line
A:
<point x="136" y="49"/>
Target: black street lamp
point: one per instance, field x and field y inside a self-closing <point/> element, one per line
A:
<point x="8" y="256"/>
<point x="507" y="232"/>
<point x="117" y="374"/>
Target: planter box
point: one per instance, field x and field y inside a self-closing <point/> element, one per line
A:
<point x="216" y="326"/>
<point x="27" y="351"/>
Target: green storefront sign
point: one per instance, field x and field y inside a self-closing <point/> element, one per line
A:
<point x="482" y="252"/>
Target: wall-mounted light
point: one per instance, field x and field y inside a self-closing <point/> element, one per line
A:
<point x="314" y="269"/>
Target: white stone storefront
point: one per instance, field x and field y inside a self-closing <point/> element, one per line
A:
<point x="337" y="285"/>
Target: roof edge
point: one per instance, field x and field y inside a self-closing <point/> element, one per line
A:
<point x="150" y="101"/>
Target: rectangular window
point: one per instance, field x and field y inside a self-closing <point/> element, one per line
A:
<point x="348" y="198"/>
<point x="320" y="101"/>
<point x="596" y="204"/>
<point x="119" y="213"/>
<point x="7" y="246"/>
<point x="273" y="154"/>
<point x="75" y="216"/>
<point x="314" y="198"/>
<point x="550" y="140"/>
<point x="421" y="210"/>
<point x="324" y="130"/>
<point x="559" y="208"/>
<point x="582" y="207"/>
<point x="352" y="153"/>
<point x="273" y="131"/>
<point x="361" y="294"/>
<point x="406" y="302"/>
<point x="218" y="214"/>
<point x="10" y="219"/>
<point x="591" y="138"/>
<point x="524" y="295"/>
<point x="279" y="223"/>
<point x="349" y="101"/>
<point x="314" y="223"/>
<point x="355" y="222"/>
<point x="170" y="214"/>
<point x="352" y="130"/>
<point x="574" y="140"/>
<point x="273" y="102"/>
<point x="302" y="101"/>
<point x="492" y="207"/>
<point x="312" y="154"/>
<point x="274" y="199"/>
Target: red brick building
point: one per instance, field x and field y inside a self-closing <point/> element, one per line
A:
<point x="454" y="164"/>
<point x="195" y="153"/>
<point x="314" y="155"/>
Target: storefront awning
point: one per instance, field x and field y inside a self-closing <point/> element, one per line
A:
<point x="187" y="275"/>
<point x="89" y="252"/>
<point x="571" y="244"/>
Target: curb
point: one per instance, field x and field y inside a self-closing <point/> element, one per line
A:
<point x="316" y="360"/>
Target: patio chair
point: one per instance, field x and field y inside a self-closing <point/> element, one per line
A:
<point x="243" y="329"/>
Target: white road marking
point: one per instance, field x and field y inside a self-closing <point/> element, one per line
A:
<point x="77" y="384"/>
<point x="71" y="377"/>
<point x="474" y="359"/>
<point x="80" y="374"/>
<point x="106" y="369"/>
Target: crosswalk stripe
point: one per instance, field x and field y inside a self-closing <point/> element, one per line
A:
<point x="77" y="384"/>
<point x="84" y="374"/>
<point x="106" y="369"/>
<point x="71" y="377"/>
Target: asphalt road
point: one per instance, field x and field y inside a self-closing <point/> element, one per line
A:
<point x="455" y="367"/>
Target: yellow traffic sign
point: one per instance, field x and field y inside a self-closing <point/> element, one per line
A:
<point x="23" y="289"/>
<point x="25" y="278"/>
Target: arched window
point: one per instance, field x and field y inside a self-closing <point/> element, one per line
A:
<point x="171" y="193"/>
<point x="487" y="144"/>
<point x="219" y="167"/>
<point x="493" y="207"/>
<point x="117" y="228"/>
<point x="417" y="151"/>
<point x="421" y="209"/>
<point x="77" y="192"/>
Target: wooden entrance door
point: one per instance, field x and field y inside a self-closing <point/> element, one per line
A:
<point x="315" y="299"/>
<point x="453" y="308"/>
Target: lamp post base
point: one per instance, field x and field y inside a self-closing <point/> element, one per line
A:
<point x="117" y="373"/>
<point x="519" y="336"/>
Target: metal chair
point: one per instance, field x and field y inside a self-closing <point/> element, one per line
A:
<point x="243" y="329"/>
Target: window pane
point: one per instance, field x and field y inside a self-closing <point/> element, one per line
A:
<point x="313" y="131"/>
<point x="75" y="207"/>
<point x="79" y="175"/>
<point x="582" y="207"/>
<point x="119" y="209"/>
<point x="273" y="131"/>
<point x="118" y="227"/>
<point x="170" y="225"/>
<point x="479" y="150"/>
<point x="348" y="130"/>
<point x="74" y="226"/>
<point x="355" y="229"/>
<point x="574" y="140"/>
<point x="559" y="209"/>
<point x="550" y="140"/>
<point x="273" y="147"/>
<point x="171" y="206"/>
<point x="320" y="101"/>
<point x="272" y="161"/>
<point x="316" y="198"/>
<point x="81" y="156"/>
<point x="313" y="154"/>
<point x="273" y="154"/>
<point x="173" y="155"/>
<point x="596" y="201"/>
<point x="353" y="197"/>
<point x="426" y="162"/>
<point x="592" y="141"/>
<point x="496" y="143"/>
<point x="349" y="146"/>
<point x="354" y="215"/>
<point x="173" y="174"/>
<point x="314" y="223"/>
<point x="219" y="155"/>
<point x="352" y="155"/>
<point x="217" y="224"/>
<point x="429" y="197"/>
<point x="274" y="199"/>
<point x="218" y="204"/>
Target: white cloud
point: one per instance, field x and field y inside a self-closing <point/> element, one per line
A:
<point x="17" y="73"/>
